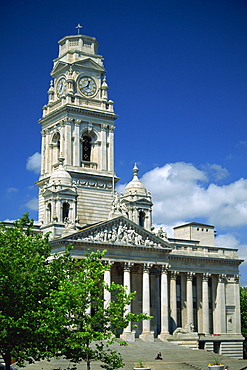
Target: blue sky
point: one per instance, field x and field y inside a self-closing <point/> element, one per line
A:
<point x="177" y="73"/>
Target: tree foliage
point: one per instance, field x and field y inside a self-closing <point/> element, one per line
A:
<point x="54" y="305"/>
<point x="93" y="323"/>
<point x="243" y="307"/>
<point x="30" y="320"/>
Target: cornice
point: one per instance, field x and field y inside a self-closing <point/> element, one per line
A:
<point x="83" y="111"/>
<point x="104" y="245"/>
<point x="206" y="258"/>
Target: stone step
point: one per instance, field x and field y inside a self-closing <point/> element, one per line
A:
<point x="175" y="357"/>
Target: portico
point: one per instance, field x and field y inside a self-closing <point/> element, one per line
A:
<point x="177" y="289"/>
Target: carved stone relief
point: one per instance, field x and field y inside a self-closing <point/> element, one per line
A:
<point x="119" y="233"/>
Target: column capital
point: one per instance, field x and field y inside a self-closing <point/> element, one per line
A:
<point x="77" y="122"/>
<point x="108" y="264"/>
<point x="111" y="128"/>
<point x="190" y="276"/>
<point x="174" y="274"/>
<point x="205" y="276"/>
<point x="222" y="278"/>
<point x="146" y="267"/>
<point x="127" y="266"/>
<point x="104" y="127"/>
<point x="67" y="121"/>
<point x="165" y="268"/>
<point x="236" y="278"/>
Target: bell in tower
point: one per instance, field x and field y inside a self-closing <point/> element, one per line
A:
<point x="78" y="126"/>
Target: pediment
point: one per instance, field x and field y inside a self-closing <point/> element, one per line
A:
<point x="140" y="201"/>
<point x="118" y="231"/>
<point x="89" y="64"/>
<point x="64" y="192"/>
<point x="59" y="67"/>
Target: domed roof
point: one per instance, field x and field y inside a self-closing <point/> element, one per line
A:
<point x="60" y="175"/>
<point x="135" y="186"/>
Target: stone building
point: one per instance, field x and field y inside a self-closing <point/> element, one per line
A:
<point x="189" y="286"/>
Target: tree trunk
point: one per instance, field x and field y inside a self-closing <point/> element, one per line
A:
<point x="88" y="365"/>
<point x="7" y="360"/>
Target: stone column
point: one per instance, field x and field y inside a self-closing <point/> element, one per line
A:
<point x="164" y="303"/>
<point x="111" y="149"/>
<point x="107" y="280"/>
<point x="173" y="300"/>
<point x="220" y="309"/>
<point x="76" y="151"/>
<point x="62" y="138"/>
<point x="135" y="216"/>
<point x="183" y="279"/>
<point x="68" y="140"/>
<point x="146" y="335"/>
<point x="103" y="147"/>
<point x="237" y="306"/>
<point x="43" y="154"/>
<point x="47" y="153"/>
<point x="127" y="334"/>
<point x="205" y="303"/>
<point x="199" y="304"/>
<point x="189" y="298"/>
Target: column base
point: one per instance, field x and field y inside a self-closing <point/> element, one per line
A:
<point x="164" y="336"/>
<point x="147" y="336"/>
<point x="128" y="336"/>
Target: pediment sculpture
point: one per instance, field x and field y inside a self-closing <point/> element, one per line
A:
<point x="120" y="231"/>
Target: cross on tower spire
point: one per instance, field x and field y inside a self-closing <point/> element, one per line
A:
<point x="78" y="28"/>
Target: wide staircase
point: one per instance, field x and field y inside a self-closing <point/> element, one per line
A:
<point x="175" y="357"/>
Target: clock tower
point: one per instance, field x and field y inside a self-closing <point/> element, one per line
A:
<point x="77" y="180"/>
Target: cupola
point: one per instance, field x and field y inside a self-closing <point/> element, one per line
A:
<point x="137" y="202"/>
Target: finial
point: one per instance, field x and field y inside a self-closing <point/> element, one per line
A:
<point x="104" y="85"/>
<point x="135" y="170"/>
<point x="61" y="160"/>
<point x="51" y="83"/>
<point x="78" y="28"/>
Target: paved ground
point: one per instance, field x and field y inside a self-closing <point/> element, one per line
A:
<point x="174" y="358"/>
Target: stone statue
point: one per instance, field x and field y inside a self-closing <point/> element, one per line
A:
<point x="189" y="328"/>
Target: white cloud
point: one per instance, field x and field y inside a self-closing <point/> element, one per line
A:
<point x="229" y="240"/>
<point x="12" y="190"/>
<point x="215" y="171"/>
<point x="34" y="163"/>
<point x="32" y="204"/>
<point x="181" y="191"/>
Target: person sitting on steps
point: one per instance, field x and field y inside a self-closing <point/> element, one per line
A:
<point x="159" y="356"/>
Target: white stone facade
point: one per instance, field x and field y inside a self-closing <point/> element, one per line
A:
<point x="189" y="286"/>
<point x="78" y="126"/>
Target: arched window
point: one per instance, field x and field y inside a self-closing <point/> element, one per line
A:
<point x="65" y="211"/>
<point x="86" y="148"/>
<point x="56" y="140"/>
<point x="49" y="212"/>
<point x="142" y="218"/>
<point x="55" y="147"/>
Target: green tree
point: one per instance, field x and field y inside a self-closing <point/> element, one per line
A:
<point x="31" y="322"/>
<point x="93" y="323"/>
<point x="243" y="307"/>
<point x="53" y="305"/>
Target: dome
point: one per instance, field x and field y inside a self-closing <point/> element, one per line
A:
<point x="135" y="186"/>
<point x="60" y="175"/>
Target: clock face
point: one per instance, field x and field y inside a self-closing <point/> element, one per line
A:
<point x="61" y="87"/>
<point x="87" y="86"/>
